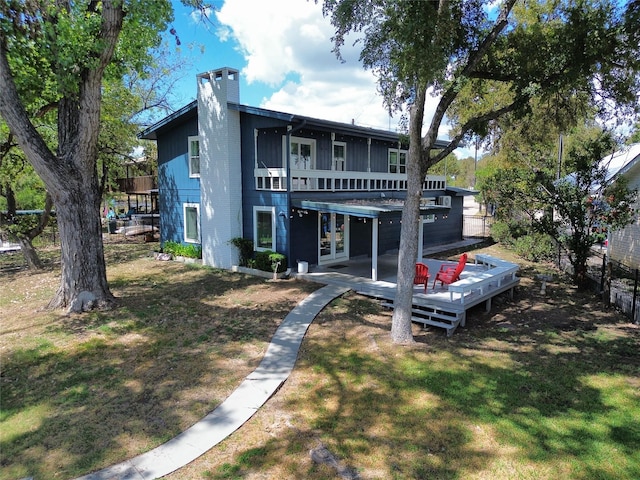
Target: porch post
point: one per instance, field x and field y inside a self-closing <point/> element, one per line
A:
<point x="420" y="237"/>
<point x="374" y="249"/>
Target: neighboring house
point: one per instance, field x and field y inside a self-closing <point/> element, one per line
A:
<point x="624" y="245"/>
<point x="315" y="190"/>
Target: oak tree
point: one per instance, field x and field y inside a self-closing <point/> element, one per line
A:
<point x="484" y="59"/>
<point x="54" y="55"/>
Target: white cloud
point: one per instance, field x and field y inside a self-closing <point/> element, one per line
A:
<point x="293" y="56"/>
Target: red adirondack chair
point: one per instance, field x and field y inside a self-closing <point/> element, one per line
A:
<point x="422" y="275"/>
<point x="450" y="272"/>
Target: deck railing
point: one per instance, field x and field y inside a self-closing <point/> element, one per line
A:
<point x="275" y="179"/>
<point x="140" y="184"/>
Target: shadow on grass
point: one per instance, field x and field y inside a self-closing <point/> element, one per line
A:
<point x="531" y="402"/>
<point x="120" y="387"/>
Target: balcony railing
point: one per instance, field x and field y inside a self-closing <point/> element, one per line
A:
<point x="275" y="179"/>
<point x="137" y="184"/>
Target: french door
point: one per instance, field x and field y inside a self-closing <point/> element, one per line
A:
<point x="333" y="231"/>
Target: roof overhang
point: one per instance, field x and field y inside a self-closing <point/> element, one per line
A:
<point x="151" y="133"/>
<point x="189" y="110"/>
<point x="461" y="192"/>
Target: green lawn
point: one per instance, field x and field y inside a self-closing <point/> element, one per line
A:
<point x="542" y="387"/>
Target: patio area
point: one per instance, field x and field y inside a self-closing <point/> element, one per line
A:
<point x="443" y="306"/>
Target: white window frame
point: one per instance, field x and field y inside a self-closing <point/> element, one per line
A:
<point x="186" y="206"/>
<point x="401" y="165"/>
<point x="191" y="156"/>
<point x="272" y="211"/>
<point x="301" y="141"/>
<point x="337" y="160"/>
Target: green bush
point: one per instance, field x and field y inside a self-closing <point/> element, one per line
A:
<point x="535" y="247"/>
<point x="270" y="261"/>
<point x="245" y="249"/>
<point x="507" y="232"/>
<point x="191" y="251"/>
<point x="171" y="247"/>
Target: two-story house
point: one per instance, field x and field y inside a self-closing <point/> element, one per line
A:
<point x="315" y="190"/>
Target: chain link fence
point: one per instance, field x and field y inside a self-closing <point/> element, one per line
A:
<point x="476" y="226"/>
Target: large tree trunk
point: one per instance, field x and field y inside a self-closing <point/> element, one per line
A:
<point x="83" y="283"/>
<point x="408" y="252"/>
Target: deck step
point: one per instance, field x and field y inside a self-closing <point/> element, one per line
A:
<point x="447" y="320"/>
<point x="439" y="315"/>
<point x="449" y="327"/>
<point x="433" y="312"/>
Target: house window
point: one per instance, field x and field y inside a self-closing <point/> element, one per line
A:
<point x="303" y="151"/>
<point x="194" y="157"/>
<point x="191" y="222"/>
<point x="339" y="156"/>
<point x="264" y="228"/>
<point x="397" y="161"/>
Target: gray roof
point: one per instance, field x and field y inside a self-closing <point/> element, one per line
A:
<point x="190" y="110"/>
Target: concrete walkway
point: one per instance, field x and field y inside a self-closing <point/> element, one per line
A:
<point x="253" y="392"/>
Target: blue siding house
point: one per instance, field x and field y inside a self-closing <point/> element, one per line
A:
<point x="315" y="190"/>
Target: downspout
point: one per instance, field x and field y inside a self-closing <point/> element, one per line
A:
<point x="288" y="217"/>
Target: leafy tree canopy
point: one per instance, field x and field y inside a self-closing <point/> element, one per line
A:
<point x="485" y="59"/>
<point x="61" y="55"/>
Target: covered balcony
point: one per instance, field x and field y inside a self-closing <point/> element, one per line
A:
<point x="275" y="179"/>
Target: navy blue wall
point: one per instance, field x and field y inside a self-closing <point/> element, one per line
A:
<point x="174" y="185"/>
<point x="360" y="236"/>
<point x="447" y="226"/>
<point x="304" y="238"/>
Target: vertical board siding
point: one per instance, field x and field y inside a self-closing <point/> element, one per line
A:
<point x="174" y="185"/>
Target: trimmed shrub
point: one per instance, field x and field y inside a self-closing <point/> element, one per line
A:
<point x="270" y="261"/>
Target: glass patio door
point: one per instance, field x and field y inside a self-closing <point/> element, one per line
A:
<point x="334" y="236"/>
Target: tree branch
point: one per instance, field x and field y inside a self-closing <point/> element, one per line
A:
<point x="472" y="62"/>
<point x="15" y="115"/>
<point x="468" y="126"/>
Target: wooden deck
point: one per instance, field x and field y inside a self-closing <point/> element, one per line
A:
<point x="443" y="307"/>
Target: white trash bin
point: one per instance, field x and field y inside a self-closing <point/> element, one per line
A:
<point x="303" y="267"/>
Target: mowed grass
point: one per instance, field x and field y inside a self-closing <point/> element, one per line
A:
<point x="542" y="387"/>
<point x="82" y="392"/>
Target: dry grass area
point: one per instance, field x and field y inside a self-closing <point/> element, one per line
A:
<point x="80" y="392"/>
<point x="544" y="386"/>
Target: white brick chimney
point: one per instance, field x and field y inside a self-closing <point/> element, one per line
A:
<point x="220" y="169"/>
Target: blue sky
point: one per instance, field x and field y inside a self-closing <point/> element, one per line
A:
<point x="282" y="49"/>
